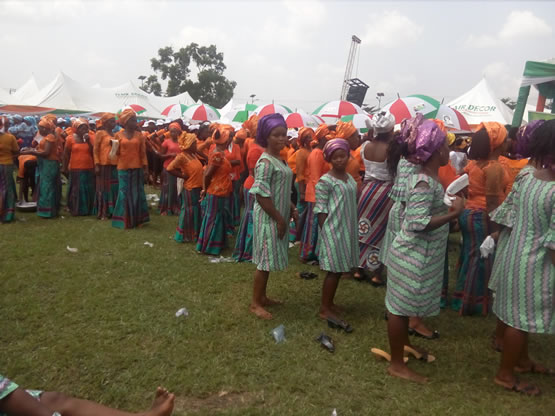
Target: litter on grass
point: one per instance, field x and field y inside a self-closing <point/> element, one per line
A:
<point x="147" y="243"/>
<point x="221" y="259"/>
<point x="182" y="312"/>
<point x="71" y="249"/>
<point x="152" y="197"/>
<point x="278" y="333"/>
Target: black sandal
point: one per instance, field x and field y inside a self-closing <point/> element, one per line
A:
<point x="529" y="390"/>
<point x="326" y="342"/>
<point x="338" y="324"/>
<point x="414" y="332"/>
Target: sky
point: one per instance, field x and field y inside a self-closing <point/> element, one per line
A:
<point x="288" y="52"/>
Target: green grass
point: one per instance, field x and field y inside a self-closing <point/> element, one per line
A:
<point x="100" y="324"/>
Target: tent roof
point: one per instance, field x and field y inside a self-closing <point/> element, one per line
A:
<point x="480" y="104"/>
<point x="27" y="90"/>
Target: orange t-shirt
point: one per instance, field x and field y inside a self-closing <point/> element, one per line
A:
<point x="171" y="147"/>
<point x="292" y="160"/>
<point x="81" y="156"/>
<point x="54" y="151"/>
<point x="301" y="157"/>
<point x="220" y="185"/>
<point x="447" y="174"/>
<point x="353" y="168"/>
<point x="255" y="151"/>
<point x="190" y="166"/>
<point x="284" y="153"/>
<point x="131" y="152"/>
<point x="317" y="167"/>
<point x="488" y="178"/>
<point x="102" y="148"/>
<point x="356" y="154"/>
<point x="512" y="166"/>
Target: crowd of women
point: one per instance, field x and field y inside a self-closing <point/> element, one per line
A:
<point x="383" y="193"/>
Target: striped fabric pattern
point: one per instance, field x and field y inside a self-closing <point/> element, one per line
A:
<point x="169" y="199"/>
<point x="106" y="191"/>
<point x="7" y="193"/>
<point x="337" y="239"/>
<point x="525" y="276"/>
<point x="243" y="244"/>
<point x="6" y="387"/>
<point x="272" y="179"/>
<point x="49" y="188"/>
<point x="131" y="209"/>
<point x="188" y="224"/>
<point x="80" y="197"/>
<point x="212" y="237"/>
<point x="373" y="210"/>
<point x="416" y="259"/>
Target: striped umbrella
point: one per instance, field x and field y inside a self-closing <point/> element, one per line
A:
<point x="359" y="121"/>
<point x="298" y="120"/>
<point x="135" y="107"/>
<point x="336" y="109"/>
<point x="174" y="111"/>
<point x="407" y="107"/>
<point x="452" y="119"/>
<point x="201" y="112"/>
<point x="264" y="110"/>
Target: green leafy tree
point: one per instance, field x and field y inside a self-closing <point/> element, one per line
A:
<point x="151" y="85"/>
<point x="510" y="102"/>
<point x="211" y="87"/>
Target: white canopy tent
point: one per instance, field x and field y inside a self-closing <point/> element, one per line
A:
<point x="27" y="90"/>
<point x="480" y="104"/>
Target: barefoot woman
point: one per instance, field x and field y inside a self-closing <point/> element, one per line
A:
<point x="272" y="209"/>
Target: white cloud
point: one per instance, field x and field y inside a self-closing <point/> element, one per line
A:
<point x="520" y="24"/>
<point x="40" y="11"/>
<point x="503" y="78"/>
<point x="390" y="29"/>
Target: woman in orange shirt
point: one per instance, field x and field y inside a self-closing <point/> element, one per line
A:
<point x="487" y="189"/>
<point x="78" y="166"/>
<point x="215" y="194"/>
<point x="105" y="167"/>
<point x="169" y="200"/>
<point x="316" y="167"/>
<point x="306" y="136"/>
<point x="131" y="209"/>
<point x="187" y="166"/>
<point x="50" y="184"/>
<point x="8" y="150"/>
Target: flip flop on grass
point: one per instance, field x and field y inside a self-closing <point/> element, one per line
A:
<point x="381" y="354"/>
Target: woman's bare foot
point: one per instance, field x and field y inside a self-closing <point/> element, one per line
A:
<point x="163" y="403"/>
<point x="330" y="313"/>
<point x="259" y="311"/>
<point x="402" y="371"/>
<point x="271" y="302"/>
<point x="416" y="324"/>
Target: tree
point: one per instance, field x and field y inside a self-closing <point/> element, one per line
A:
<point x="211" y="87"/>
<point x="152" y="85"/>
<point x="509" y="102"/>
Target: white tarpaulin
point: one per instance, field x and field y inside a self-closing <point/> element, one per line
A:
<point x="27" y="90"/>
<point x="480" y="104"/>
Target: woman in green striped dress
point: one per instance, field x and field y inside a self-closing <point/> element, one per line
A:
<point x="272" y="210"/>
<point x="525" y="281"/>
<point x="416" y="257"/>
<point x="336" y="209"/>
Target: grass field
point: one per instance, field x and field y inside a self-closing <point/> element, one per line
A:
<point x="100" y="324"/>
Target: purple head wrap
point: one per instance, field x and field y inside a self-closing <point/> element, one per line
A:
<point x="265" y="126"/>
<point x="333" y="145"/>
<point x="423" y="138"/>
<point x="525" y="137"/>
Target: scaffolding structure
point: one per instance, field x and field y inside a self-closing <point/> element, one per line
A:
<point x="355" y="42"/>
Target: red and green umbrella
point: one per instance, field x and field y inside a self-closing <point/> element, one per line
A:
<point x="337" y="109"/>
<point x="452" y="119"/>
<point x="264" y="110"/>
<point x="174" y="111"/>
<point x="201" y="112"/>
<point x="239" y="114"/>
<point x="359" y="121"/>
<point x="298" y="120"/>
<point x="135" y="107"/>
<point x="407" y="107"/>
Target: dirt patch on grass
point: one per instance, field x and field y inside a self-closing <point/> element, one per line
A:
<point x="219" y="401"/>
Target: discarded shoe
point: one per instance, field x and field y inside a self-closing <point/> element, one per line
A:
<point x="326" y="342"/>
<point x="338" y="324"/>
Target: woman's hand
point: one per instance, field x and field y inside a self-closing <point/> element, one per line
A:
<point x="281" y="228"/>
<point x="294" y="213"/>
<point x="457" y="205"/>
<point x="202" y="195"/>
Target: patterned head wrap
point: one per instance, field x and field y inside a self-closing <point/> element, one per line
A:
<point x="222" y="133"/>
<point x="345" y="130"/>
<point x="333" y="145"/>
<point x="176" y="126"/>
<point x="241" y="134"/>
<point x="496" y="131"/>
<point x="47" y="123"/>
<point x="423" y="138"/>
<point x="306" y="135"/>
<point x="251" y="125"/>
<point x="265" y="126"/>
<point x="78" y="123"/>
<point x="125" y="115"/>
<point x="383" y="122"/>
<point x="322" y="131"/>
<point x="440" y="124"/>
<point x="17" y="119"/>
<point x="525" y="136"/>
<point x="52" y="118"/>
<point x="186" y="140"/>
<point x="30" y="120"/>
<point x="104" y="118"/>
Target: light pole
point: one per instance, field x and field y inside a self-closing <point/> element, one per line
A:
<point x="252" y="98"/>
<point x="379" y="96"/>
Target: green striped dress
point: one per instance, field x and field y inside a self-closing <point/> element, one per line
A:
<point x="416" y="257"/>
<point x="272" y="179"/>
<point x="524" y="276"/>
<point x="338" y="248"/>
<point x="397" y="212"/>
